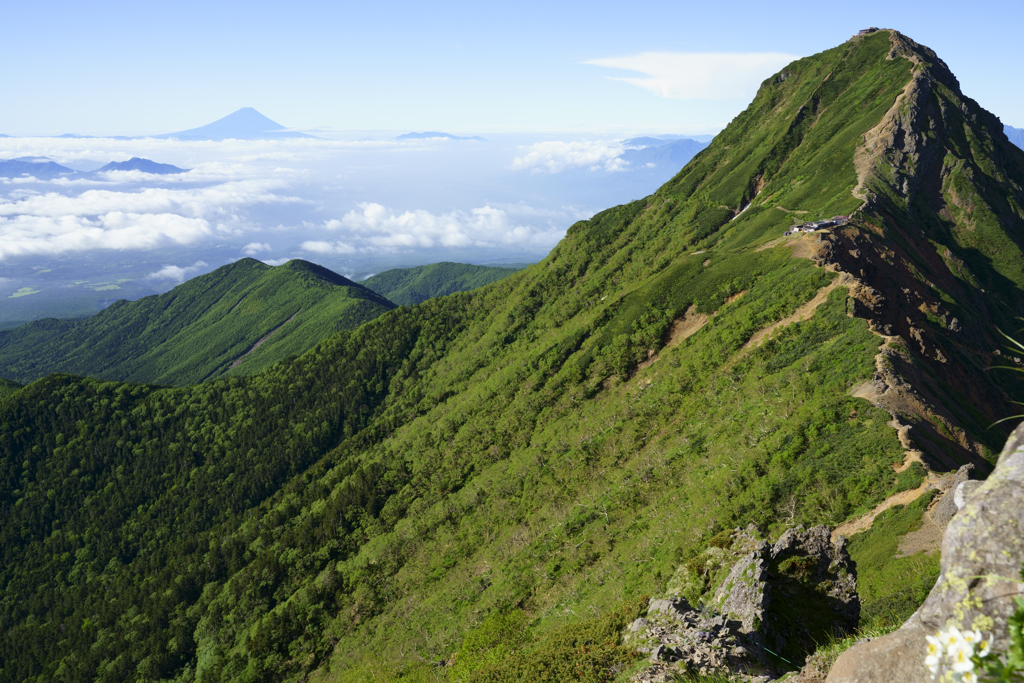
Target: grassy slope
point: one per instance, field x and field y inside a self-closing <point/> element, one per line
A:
<point x="356" y="511"/>
<point x="407" y="286"/>
<point x="197" y="330"/>
<point x="892" y="586"/>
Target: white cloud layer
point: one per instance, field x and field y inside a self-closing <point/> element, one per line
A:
<point x="374" y="227"/>
<point x="698" y="75"/>
<point x="241" y="197"/>
<point x="555" y="156"/>
<point x="54" y="223"/>
<point x="177" y="273"/>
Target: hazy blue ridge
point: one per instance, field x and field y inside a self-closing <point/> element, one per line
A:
<point x="672" y="153"/>
<point x="144" y="165"/>
<point x="1016" y="135"/>
<point x="429" y="135"/>
<point x="44" y="170"/>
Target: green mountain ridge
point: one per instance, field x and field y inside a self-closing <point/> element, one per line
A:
<point x="408" y="286"/>
<point x="236" y="320"/>
<point x="493" y="473"/>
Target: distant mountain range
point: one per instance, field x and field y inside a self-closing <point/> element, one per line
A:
<point x="671" y="153"/>
<point x="1016" y="135"/>
<point x="244" y="124"/>
<point x="76" y="136"/>
<point x="144" y="165"/>
<point x="430" y="135"/>
<point x="44" y="168"/>
<point x="37" y="167"/>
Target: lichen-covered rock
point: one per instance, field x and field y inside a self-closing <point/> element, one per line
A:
<point x="774" y="599"/>
<point x="680" y="638"/>
<point x="982" y="553"/>
<point x="744" y="595"/>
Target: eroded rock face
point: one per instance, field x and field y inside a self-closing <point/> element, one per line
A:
<point x="814" y="587"/>
<point x="745" y="593"/>
<point x="774" y="603"/>
<point x="982" y="553"/>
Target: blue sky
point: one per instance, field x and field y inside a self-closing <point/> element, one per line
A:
<point x="136" y="68"/>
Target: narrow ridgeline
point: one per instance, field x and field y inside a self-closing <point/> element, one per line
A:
<point x="482" y="486"/>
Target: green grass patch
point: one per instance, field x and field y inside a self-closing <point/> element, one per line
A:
<point x="891" y="588"/>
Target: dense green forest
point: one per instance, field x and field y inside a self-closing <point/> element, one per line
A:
<point x="503" y="473"/>
<point x="407" y="286"/>
<point x="238" y="319"/>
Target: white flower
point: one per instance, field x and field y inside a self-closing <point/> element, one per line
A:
<point x="969" y="677"/>
<point x="960" y="656"/>
<point x="934" y="657"/>
<point x="951" y="637"/>
<point x="971" y="637"/>
<point x="984" y="646"/>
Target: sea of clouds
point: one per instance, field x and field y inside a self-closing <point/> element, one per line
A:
<point x="354" y="205"/>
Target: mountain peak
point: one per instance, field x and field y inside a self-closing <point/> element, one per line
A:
<point x="433" y="135"/>
<point x="144" y="165"/>
<point x="244" y="124"/>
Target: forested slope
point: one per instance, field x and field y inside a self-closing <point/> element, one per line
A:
<point x="407" y="286"/>
<point x="238" y="319"/>
<point x="556" y="442"/>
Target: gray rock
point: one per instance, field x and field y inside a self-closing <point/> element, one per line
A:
<point x="804" y="570"/>
<point x="982" y="553"/>
<point x="638" y="625"/>
<point x="947" y="506"/>
<point x="744" y="595"/>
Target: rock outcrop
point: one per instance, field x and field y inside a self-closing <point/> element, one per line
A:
<point x="772" y="606"/>
<point x="982" y="554"/>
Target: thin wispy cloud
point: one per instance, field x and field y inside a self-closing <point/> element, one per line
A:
<point x="697" y="75"/>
